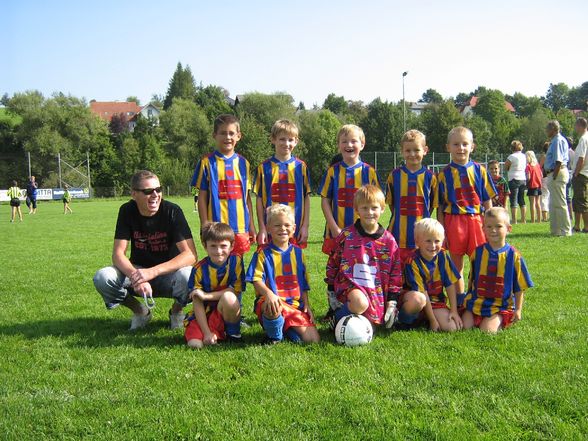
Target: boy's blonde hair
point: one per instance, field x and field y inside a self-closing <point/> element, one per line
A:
<point x="516" y="146"/>
<point x="415" y="136"/>
<point x="428" y="226"/>
<point x="284" y="126"/>
<point x="461" y="130"/>
<point x="217" y="232"/>
<point x="531" y="158"/>
<point x="351" y="128"/>
<point x="369" y="194"/>
<point x="497" y="212"/>
<point x="279" y="210"/>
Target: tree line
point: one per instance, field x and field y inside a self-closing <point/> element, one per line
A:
<point x="172" y="145"/>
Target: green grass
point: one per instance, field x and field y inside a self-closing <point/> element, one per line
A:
<point x="69" y="369"/>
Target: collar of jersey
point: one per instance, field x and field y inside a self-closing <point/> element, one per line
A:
<point x="226" y="158"/>
<point x="499" y="250"/>
<point x="418" y="172"/>
<point x="214" y="265"/>
<point x="277" y="161"/>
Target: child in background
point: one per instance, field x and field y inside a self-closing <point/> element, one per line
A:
<point x="364" y="267"/>
<point x="66" y="200"/>
<point x="195" y="195"/>
<point x="429" y="271"/>
<point x="14" y="195"/>
<point x="278" y="273"/>
<point x="534" y="176"/>
<point x="411" y="192"/>
<point x="500" y="183"/>
<point x="283" y="179"/>
<point x="215" y="285"/>
<point x="465" y="190"/>
<point x="498" y="278"/>
<point x="223" y="181"/>
<point x="544" y="186"/>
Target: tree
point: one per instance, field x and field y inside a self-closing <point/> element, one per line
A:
<point x="431" y="96"/>
<point x="557" y="96"/>
<point x="482" y="136"/>
<point x="118" y="124"/>
<point x="266" y="109"/>
<point x="532" y="130"/>
<point x="318" y="141"/>
<point x="157" y="100"/>
<point x="181" y="85"/>
<point x="578" y="97"/>
<point x="213" y="101"/>
<point x="133" y="99"/>
<point x="525" y="106"/>
<point x="255" y="142"/>
<point x="336" y="104"/>
<point x="462" y="98"/>
<point x="301" y="106"/>
<point x="504" y="125"/>
<point x="436" y="121"/>
<point x="383" y="125"/>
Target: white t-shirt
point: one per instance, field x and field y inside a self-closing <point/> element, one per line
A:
<point x="581" y="153"/>
<point x="518" y="164"/>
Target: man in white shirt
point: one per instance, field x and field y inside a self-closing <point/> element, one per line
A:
<point x="580" y="177"/>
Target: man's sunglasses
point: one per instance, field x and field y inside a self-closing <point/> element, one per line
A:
<point x="148" y="191"/>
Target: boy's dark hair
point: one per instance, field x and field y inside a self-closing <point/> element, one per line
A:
<point x="492" y="162"/>
<point x="217" y="232"/>
<point x="226" y="119"/>
<point x="140" y="176"/>
<point x="14" y="183"/>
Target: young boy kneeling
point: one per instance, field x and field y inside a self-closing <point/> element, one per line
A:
<point x="498" y="278"/>
<point x="428" y="271"/>
<point x="216" y="283"/>
<point x="278" y="273"/>
<point x="364" y="267"/>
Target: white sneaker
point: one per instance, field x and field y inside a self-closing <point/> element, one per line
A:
<point x="176" y="319"/>
<point x="140" y="321"/>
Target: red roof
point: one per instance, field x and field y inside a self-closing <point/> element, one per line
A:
<point x="474" y="101"/>
<point x="106" y="109"/>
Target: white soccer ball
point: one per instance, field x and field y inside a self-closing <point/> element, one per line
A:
<point x="354" y="330"/>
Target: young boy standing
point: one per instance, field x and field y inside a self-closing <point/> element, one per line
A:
<point x="215" y="285"/>
<point x="500" y="183"/>
<point x="278" y="273"/>
<point x="283" y="179"/>
<point x="223" y="182"/>
<point x="429" y="271"/>
<point x="498" y="278"/>
<point x="364" y="268"/>
<point x="411" y="192"/>
<point x="465" y="190"/>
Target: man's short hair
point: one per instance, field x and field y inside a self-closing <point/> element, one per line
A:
<point x="369" y="194"/>
<point x="217" y="232"/>
<point x="347" y="129"/>
<point x="582" y="122"/>
<point x="224" y="120"/>
<point x="460" y="129"/>
<point x="414" y="136"/>
<point x="279" y="210"/>
<point x="553" y="125"/>
<point x="141" y="176"/>
<point x="498" y="212"/>
<point x="428" y="226"/>
<point x="284" y="126"/>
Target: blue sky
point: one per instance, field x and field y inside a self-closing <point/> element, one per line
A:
<point x="109" y="50"/>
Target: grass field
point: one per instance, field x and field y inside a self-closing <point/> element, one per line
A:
<point x="69" y="369"/>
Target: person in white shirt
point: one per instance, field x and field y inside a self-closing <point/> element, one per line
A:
<point x="516" y="165"/>
<point x="580" y="177"/>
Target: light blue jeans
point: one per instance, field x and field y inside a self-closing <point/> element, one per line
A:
<point x="114" y="286"/>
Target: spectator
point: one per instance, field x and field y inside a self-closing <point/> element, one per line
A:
<point x="534" y="176"/>
<point x="517" y="181"/>
<point x="571" y="162"/>
<point x="580" y="179"/>
<point x="31" y="200"/>
<point x="544" y="186"/>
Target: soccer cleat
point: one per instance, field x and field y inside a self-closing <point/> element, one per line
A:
<point x="235" y="338"/>
<point x="176" y="319"/>
<point x="140" y="321"/>
<point x="268" y="341"/>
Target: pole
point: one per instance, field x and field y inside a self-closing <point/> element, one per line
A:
<point x="88" y="164"/>
<point x="404" y="74"/>
<point x="29" y="157"/>
<point x="59" y="168"/>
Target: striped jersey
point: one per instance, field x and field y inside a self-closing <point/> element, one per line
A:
<point x="411" y="196"/>
<point x="227" y="181"/>
<point x="495" y="278"/>
<point x="284" y="183"/>
<point x="339" y="184"/>
<point x="283" y="271"/>
<point x="13" y="192"/>
<point x="431" y="276"/>
<point x="464" y="188"/>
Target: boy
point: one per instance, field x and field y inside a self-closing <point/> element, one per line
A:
<point x="66" y="200"/>
<point x="500" y="183"/>
<point x="340" y="183"/>
<point x="364" y="268"/>
<point x="429" y="271"/>
<point x="215" y="285"/>
<point x="498" y="278"/>
<point x="223" y="182"/>
<point x="283" y="179"/>
<point x="465" y="190"/>
<point x="278" y="273"/>
<point x="411" y="192"/>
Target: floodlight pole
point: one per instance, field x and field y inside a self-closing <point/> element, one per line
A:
<point x="29" y="160"/>
<point x="88" y="164"/>
<point x="59" y="168"/>
<point x="404" y="74"/>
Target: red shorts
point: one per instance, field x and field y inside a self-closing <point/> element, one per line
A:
<point x="293" y="241"/>
<point x="328" y="246"/>
<point x="292" y="317"/>
<point x="464" y="233"/>
<point x="242" y="244"/>
<point x="215" y="323"/>
<point x="506" y="316"/>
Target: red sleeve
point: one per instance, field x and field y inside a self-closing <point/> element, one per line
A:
<point x="333" y="264"/>
<point x="395" y="281"/>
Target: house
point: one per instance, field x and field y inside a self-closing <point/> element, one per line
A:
<point x="417" y="108"/>
<point x="467" y="108"/>
<point x="107" y="109"/>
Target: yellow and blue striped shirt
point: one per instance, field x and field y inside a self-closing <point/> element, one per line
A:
<point x="463" y="189"/>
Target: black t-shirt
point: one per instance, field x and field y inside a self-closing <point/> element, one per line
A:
<point x="153" y="239"/>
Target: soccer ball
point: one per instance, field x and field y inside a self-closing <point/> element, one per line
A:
<point x="353" y="330"/>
